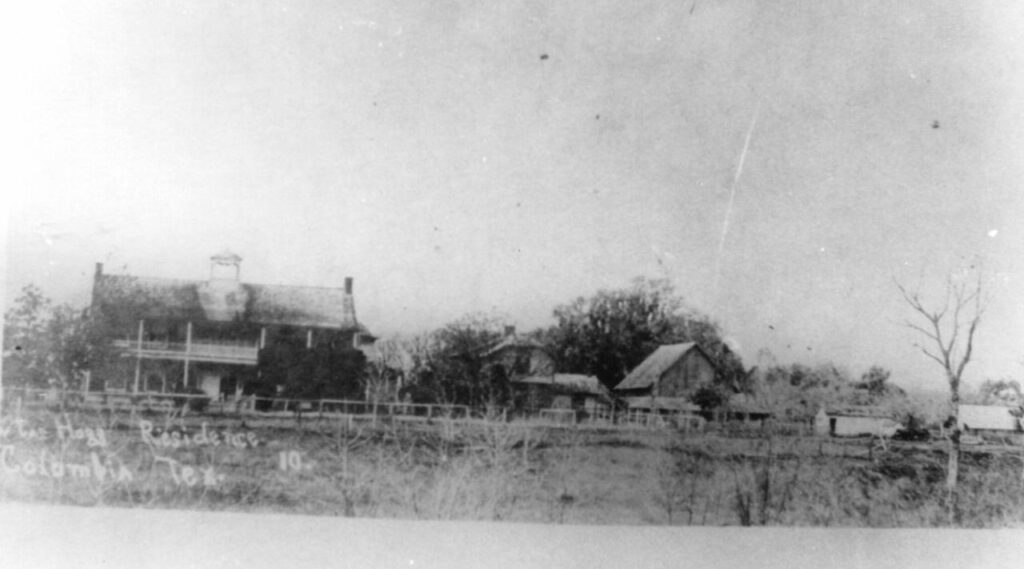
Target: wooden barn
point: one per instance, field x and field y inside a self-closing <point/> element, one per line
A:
<point x="675" y="370"/>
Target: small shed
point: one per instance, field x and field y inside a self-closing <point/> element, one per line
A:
<point x="987" y="419"/>
<point x="855" y="422"/>
<point x="674" y="370"/>
<point x="741" y="408"/>
<point x="562" y="391"/>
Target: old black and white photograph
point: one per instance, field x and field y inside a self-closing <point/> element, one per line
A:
<point x="439" y="283"/>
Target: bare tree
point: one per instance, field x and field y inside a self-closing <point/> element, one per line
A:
<point x="384" y="372"/>
<point x="949" y="331"/>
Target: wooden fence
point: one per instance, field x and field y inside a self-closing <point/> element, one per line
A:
<point x="313" y="409"/>
<point x="124" y="401"/>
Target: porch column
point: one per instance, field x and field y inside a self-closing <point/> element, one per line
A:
<point x="309" y="338"/>
<point x="263" y="337"/>
<point x="188" y="348"/>
<point x="138" y="357"/>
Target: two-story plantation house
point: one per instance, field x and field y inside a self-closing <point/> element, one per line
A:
<point x="223" y="336"/>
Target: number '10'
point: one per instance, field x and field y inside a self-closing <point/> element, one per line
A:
<point x="289" y="460"/>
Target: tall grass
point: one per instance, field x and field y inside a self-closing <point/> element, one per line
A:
<point x="528" y="472"/>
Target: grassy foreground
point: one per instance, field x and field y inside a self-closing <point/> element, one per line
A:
<point x="495" y="471"/>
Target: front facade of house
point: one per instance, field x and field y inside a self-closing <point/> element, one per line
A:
<point x="219" y="336"/>
<point x="520" y="356"/>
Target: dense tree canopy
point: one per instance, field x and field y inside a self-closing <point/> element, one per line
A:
<point x="1006" y="392"/>
<point x="610" y="333"/>
<point x="321" y="371"/>
<point x="451" y="365"/>
<point x="27" y="351"/>
<point x="50" y="346"/>
<point x="798" y="391"/>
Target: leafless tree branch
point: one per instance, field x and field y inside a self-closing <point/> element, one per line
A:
<point x="959" y="315"/>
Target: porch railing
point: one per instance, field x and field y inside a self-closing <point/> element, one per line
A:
<point x="218" y="351"/>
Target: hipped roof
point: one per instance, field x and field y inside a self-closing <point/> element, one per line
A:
<point x="315" y="307"/>
<point x="656" y="364"/>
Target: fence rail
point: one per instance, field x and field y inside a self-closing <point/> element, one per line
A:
<point x="245" y="405"/>
<point x="253" y="405"/>
<point x="302" y="409"/>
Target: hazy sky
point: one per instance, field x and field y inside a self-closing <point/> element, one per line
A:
<point x="512" y="155"/>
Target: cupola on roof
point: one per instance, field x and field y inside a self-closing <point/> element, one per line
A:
<point x="226" y="257"/>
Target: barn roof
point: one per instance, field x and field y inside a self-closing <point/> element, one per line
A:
<point x="317" y="307"/>
<point x="656" y="364"/>
<point x="987" y="418"/>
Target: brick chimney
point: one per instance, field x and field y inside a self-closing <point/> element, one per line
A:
<point x="349" y="306"/>
<point x="96" y="284"/>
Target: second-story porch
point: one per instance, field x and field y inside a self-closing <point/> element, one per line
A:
<point x="200" y="350"/>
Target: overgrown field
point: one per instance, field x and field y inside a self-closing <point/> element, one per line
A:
<point x="496" y="471"/>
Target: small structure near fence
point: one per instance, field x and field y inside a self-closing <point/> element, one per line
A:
<point x="583" y="394"/>
<point x="981" y="422"/>
<point x="744" y="409"/>
<point x="855" y="422"/>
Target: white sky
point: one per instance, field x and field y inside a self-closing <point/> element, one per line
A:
<point x="430" y="151"/>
